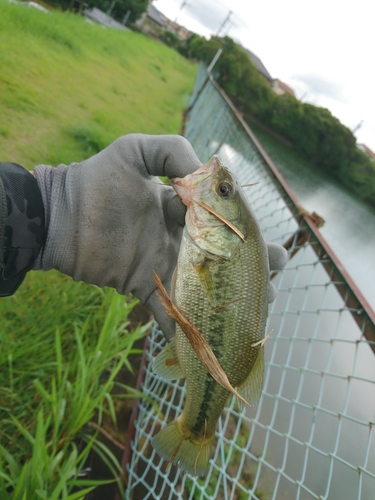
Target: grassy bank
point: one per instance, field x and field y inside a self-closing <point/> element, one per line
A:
<point x="67" y="89"/>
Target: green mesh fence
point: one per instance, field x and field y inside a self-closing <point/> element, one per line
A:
<point x="311" y="435"/>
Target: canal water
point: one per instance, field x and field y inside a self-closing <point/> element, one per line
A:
<point x="349" y="223"/>
<point x="350" y="231"/>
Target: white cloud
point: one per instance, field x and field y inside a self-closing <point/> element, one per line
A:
<point x="318" y="85"/>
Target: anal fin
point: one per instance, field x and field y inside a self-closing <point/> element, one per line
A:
<point x="166" y="363"/>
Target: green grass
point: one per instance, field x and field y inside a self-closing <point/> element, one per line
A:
<point x="68" y="89"/>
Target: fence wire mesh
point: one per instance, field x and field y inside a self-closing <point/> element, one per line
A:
<point x="311" y="435"/>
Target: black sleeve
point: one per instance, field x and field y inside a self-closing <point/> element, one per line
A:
<point x="22" y="225"/>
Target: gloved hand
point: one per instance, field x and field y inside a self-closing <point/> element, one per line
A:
<point x="111" y="222"/>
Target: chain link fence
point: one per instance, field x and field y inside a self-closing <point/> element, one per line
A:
<point x="311" y="435"/>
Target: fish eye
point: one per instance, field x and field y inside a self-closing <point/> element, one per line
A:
<point x="224" y="189"/>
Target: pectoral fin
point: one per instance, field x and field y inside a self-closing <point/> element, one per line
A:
<point x="207" y="283"/>
<point x="251" y="389"/>
<point x="166" y="364"/>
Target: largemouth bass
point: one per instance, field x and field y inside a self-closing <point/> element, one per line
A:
<point x="221" y="285"/>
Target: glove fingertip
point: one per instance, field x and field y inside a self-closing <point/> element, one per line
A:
<point x="181" y="159"/>
<point x="272" y="293"/>
<point x="278" y="256"/>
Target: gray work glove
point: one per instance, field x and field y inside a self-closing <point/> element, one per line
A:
<point x="112" y="222"/>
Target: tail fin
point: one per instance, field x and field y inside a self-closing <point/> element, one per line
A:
<point x="190" y="453"/>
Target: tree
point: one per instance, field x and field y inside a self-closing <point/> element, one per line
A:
<point x="313" y="131"/>
<point x="119" y="8"/>
<point x="171" y="39"/>
<point x="236" y="73"/>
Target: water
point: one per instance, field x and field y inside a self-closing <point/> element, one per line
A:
<point x="349" y="223"/>
<point x="350" y="231"/>
<point x="304" y="364"/>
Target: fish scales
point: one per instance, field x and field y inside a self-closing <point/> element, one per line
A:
<point x="221" y="287"/>
<point x="223" y="328"/>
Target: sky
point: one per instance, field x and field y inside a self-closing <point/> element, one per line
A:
<point x="323" y="49"/>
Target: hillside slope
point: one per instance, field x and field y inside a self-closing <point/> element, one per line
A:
<point x="68" y="88"/>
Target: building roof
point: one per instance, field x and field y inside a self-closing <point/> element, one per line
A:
<point x="159" y="18"/>
<point x="284" y="87"/>
<point x="260" y="66"/>
<point x="367" y="150"/>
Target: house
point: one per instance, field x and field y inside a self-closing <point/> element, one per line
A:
<point x="280" y="88"/>
<point x="182" y="32"/>
<point x="153" y="22"/>
<point x="367" y="151"/>
<point x="259" y="65"/>
<point x="276" y="85"/>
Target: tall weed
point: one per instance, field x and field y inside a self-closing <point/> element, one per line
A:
<point x="52" y="384"/>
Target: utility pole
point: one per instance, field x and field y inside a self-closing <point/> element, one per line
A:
<point x="224" y="23"/>
<point x="179" y="12"/>
<point x="357" y="127"/>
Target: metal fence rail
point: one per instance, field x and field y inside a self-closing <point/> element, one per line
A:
<point x="311" y="435"/>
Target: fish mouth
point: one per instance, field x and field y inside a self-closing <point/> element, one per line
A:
<point x="200" y="180"/>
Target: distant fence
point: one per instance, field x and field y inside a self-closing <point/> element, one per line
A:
<point x="311" y="436"/>
<point x="98" y="16"/>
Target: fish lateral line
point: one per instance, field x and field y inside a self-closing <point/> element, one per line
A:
<point x="222" y="218"/>
<point x="199" y="344"/>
